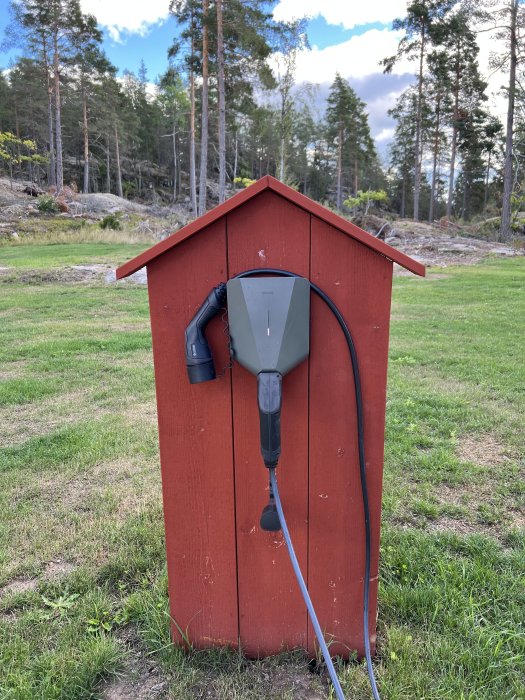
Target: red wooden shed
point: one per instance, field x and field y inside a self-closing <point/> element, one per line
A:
<point x="231" y="583"/>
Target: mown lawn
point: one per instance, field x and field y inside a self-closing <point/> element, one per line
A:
<point x="82" y="582"/>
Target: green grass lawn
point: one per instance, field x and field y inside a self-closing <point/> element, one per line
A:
<point x="82" y="575"/>
<point x="53" y="255"/>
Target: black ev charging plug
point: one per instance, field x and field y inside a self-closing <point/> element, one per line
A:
<point x="269" y="396"/>
<point x="199" y="361"/>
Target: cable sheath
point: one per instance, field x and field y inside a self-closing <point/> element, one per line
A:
<point x="304" y="590"/>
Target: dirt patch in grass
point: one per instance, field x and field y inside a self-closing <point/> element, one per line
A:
<point x="65" y="518"/>
<point x="290" y="681"/>
<point x="481" y="449"/>
<point x="19" y="585"/>
<point x="12" y="370"/>
<point x="78" y="492"/>
<point x="460" y="527"/>
<point x="20" y="422"/>
<point x="140" y="678"/>
<point x="53" y="571"/>
<point x="58" y="569"/>
<point x="517" y="519"/>
<point x="57" y="276"/>
<point x="142" y="413"/>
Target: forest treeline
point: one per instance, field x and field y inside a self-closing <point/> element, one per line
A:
<point x="227" y="109"/>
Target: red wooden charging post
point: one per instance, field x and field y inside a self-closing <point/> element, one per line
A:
<point x="229" y="581"/>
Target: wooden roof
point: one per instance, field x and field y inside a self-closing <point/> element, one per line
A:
<point x="238" y="200"/>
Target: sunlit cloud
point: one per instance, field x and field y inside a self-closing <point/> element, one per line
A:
<point x="338" y="12"/>
<point x="121" y="17"/>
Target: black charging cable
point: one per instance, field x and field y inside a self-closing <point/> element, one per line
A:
<point x="364" y="489"/>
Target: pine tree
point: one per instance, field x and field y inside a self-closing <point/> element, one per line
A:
<point x="420" y="24"/>
<point x="458" y="41"/>
<point x="292" y="39"/>
<point x="348" y="128"/>
<point x="222" y="101"/>
<point x="511" y="22"/>
<point x="187" y="14"/>
<point x="402" y="150"/>
<point x="438" y="106"/>
<point x="174" y="102"/>
<point x="90" y="65"/>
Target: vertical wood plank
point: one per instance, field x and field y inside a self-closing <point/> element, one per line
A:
<point x="196" y="451"/>
<point x="359" y="282"/>
<point x="270" y="232"/>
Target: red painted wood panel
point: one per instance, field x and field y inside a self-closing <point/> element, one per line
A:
<point x="359" y="282"/>
<point x="270" y="232"/>
<point x="196" y="451"/>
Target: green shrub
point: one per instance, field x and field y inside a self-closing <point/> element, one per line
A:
<point x="111" y="221"/>
<point x="244" y="181"/>
<point x="47" y="204"/>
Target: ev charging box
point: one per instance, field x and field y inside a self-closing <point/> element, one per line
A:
<point x="230" y="583"/>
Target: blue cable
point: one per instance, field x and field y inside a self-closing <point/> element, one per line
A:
<point x="304" y="590"/>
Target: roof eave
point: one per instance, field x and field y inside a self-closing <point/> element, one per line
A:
<point x="300" y="200"/>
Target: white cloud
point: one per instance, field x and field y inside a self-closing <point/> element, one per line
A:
<point x="385" y="134"/>
<point x="127" y="16"/>
<point x="355" y="58"/>
<point x="347" y="13"/>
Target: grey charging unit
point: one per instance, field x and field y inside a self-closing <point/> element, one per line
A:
<point x="269" y="323"/>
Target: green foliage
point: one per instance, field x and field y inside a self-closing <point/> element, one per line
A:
<point x="244" y="181"/>
<point x="60" y="606"/>
<point x="16" y="150"/>
<point x="363" y="200"/>
<point x="46" y="204"/>
<point x="351" y="143"/>
<point x="112" y="221"/>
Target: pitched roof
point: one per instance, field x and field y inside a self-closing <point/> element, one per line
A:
<point x="270" y="183"/>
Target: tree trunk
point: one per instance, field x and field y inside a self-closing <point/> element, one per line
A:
<point x="193" y="179"/>
<point x="222" y="104"/>
<point x="403" y="197"/>
<point x="179" y="173"/>
<point x="18" y="153"/>
<point x="454" y="138"/>
<point x="58" y="118"/>
<point x="117" y="156"/>
<point x="506" y="206"/>
<point x="108" y="173"/>
<point x="435" y="159"/>
<point x="487" y="175"/>
<point x="174" y="160"/>
<point x="86" y="143"/>
<point x="417" y="147"/>
<point x="282" y="158"/>
<point x="465" y="215"/>
<point x="339" y="195"/>
<point x="235" y="161"/>
<point x="51" y="167"/>
<point x="204" y="113"/>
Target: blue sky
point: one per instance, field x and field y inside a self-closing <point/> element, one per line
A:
<point x="153" y="40"/>
<point x="344" y="35"/>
